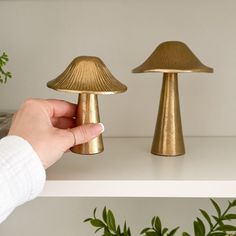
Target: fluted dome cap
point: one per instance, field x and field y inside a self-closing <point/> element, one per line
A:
<point x="172" y="56"/>
<point x="87" y="74"/>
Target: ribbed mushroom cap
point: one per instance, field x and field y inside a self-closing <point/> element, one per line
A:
<point x="172" y="56"/>
<point x="87" y="74"/>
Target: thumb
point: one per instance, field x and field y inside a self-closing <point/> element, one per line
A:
<point x="85" y="133"/>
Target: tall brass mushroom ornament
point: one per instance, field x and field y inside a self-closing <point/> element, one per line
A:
<point x="170" y="58"/>
<point x="89" y="77"/>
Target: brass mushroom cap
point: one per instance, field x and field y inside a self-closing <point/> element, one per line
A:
<point x="172" y="56"/>
<point x="87" y="74"/>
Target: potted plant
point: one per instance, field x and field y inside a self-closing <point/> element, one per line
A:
<point x="5" y="117"/>
<point x="206" y="225"/>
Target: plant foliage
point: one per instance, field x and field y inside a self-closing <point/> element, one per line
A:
<point x="219" y="224"/>
<point x="157" y="230"/>
<point x="4" y="75"/>
<point x="108" y="224"/>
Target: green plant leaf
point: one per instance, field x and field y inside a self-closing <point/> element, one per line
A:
<point x="111" y="221"/>
<point x="229" y="217"/>
<point x="152" y="234"/>
<point x="207" y="217"/>
<point x="226" y="228"/>
<point x="157" y="224"/>
<point x="129" y="233"/>
<point x="94" y="212"/>
<point x="198" y="230"/>
<point x="217" y="234"/>
<point x="145" y="230"/>
<point x="216" y="207"/>
<point x="126" y="231"/>
<point x="88" y="219"/>
<point x="201" y="226"/>
<point x="233" y="203"/>
<point x="97" y="223"/>
<point x="97" y="230"/>
<point x="173" y="231"/>
<point x="153" y="221"/>
<point x="107" y="234"/>
<point x="185" y="234"/>
<point x="104" y="214"/>
<point x="106" y="231"/>
<point x="165" y="230"/>
<point x="118" y="231"/>
<point x="125" y="227"/>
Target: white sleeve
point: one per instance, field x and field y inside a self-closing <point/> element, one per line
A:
<point x="22" y="175"/>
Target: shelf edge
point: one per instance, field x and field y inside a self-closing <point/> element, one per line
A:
<point x="144" y="188"/>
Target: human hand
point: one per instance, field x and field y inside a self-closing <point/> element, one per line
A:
<point x="49" y="126"/>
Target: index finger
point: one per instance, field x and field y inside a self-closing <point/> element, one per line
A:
<point x="61" y="108"/>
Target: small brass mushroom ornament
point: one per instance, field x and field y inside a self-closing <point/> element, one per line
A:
<point x="170" y="58"/>
<point x="88" y="76"/>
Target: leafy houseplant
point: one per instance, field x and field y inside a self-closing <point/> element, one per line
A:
<point x="215" y="225"/>
<point x="4" y="75"/>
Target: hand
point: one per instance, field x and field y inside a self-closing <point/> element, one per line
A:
<point x="49" y="126"/>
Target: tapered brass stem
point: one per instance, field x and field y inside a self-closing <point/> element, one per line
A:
<point x="168" y="138"/>
<point x="88" y="112"/>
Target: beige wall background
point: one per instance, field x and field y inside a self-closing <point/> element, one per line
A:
<point x="42" y="37"/>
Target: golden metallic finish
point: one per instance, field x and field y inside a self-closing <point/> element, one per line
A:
<point x="170" y="58"/>
<point x="168" y="138"/>
<point x="88" y="76"/>
<point x="88" y="112"/>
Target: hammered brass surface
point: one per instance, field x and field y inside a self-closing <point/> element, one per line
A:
<point x="87" y="74"/>
<point x="88" y="112"/>
<point x="168" y="137"/>
<point x="172" y="56"/>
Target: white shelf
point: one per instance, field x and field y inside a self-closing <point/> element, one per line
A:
<point x="127" y="169"/>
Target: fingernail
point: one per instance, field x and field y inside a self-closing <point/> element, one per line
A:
<point x="102" y="127"/>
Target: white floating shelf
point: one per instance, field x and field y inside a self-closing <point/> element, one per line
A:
<point x="127" y="169"/>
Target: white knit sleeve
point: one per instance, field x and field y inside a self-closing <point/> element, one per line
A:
<point x="22" y="175"/>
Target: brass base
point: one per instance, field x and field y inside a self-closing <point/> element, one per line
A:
<point x="168" y="138"/>
<point x="88" y="112"/>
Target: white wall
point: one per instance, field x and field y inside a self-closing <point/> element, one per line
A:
<point x="64" y="216"/>
<point x="42" y="37"/>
